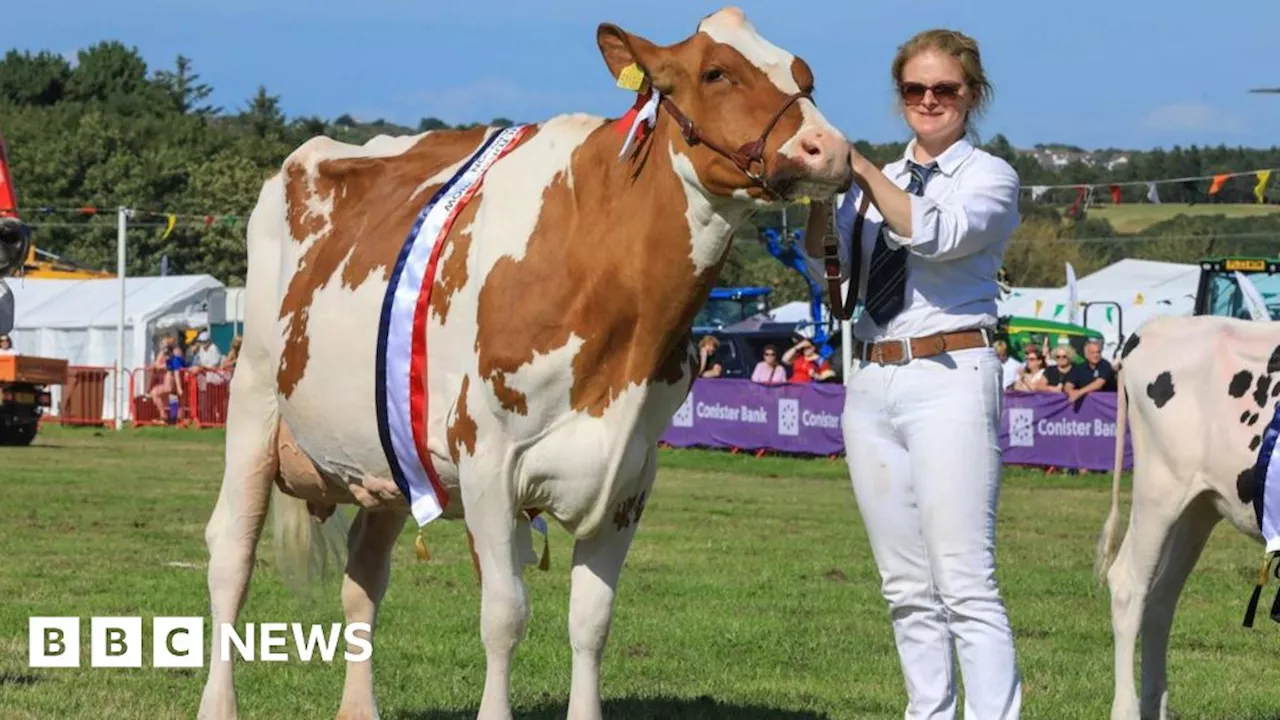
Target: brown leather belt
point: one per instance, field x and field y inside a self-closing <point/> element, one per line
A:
<point x="896" y="352"/>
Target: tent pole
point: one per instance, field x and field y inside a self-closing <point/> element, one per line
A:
<point x="122" y="227"/>
<point x="846" y="340"/>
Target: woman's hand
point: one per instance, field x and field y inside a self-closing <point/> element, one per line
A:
<point x="860" y="164"/>
<point x="892" y="201"/>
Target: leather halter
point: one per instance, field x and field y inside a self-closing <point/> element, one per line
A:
<point x="746" y="155"/>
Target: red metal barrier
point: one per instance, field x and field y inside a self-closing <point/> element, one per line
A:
<point x="149" y="386"/>
<point x="207" y="397"/>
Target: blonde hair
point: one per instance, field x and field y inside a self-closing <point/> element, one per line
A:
<point x="965" y="50"/>
<point x="709" y="341"/>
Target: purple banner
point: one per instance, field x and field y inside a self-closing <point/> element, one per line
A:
<point x="1045" y="429"/>
<point x="1035" y="428"/>
<point x="803" y="418"/>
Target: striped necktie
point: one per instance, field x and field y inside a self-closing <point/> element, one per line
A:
<point x="887" y="277"/>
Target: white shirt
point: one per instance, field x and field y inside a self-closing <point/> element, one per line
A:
<point x="208" y="356"/>
<point x="960" y="227"/>
<point x="1012" y="368"/>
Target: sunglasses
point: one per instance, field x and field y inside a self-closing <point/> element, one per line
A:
<point x="913" y="92"/>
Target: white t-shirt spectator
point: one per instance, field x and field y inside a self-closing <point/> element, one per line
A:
<point x="1011" y="369"/>
<point x="208" y="356"/>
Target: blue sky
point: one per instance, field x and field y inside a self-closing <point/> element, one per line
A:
<point x="1116" y="73"/>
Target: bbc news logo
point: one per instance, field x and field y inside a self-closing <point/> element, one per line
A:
<point x="178" y="642"/>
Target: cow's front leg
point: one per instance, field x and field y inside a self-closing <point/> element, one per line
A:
<point x="504" y="607"/>
<point x="597" y="564"/>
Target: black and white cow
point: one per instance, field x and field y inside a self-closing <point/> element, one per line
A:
<point x="1202" y="390"/>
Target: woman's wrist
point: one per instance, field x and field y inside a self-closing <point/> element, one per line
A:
<point x="862" y="167"/>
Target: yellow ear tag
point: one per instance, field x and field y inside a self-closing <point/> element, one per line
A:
<point x="631" y="78"/>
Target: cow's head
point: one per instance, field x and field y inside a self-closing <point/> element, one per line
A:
<point x="14" y="239"/>
<point x="736" y="88"/>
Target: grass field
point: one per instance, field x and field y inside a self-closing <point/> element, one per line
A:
<point x="749" y="593"/>
<point x="1136" y="217"/>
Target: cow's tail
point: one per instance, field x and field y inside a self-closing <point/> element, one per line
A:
<point x="1108" y="542"/>
<point x="306" y="549"/>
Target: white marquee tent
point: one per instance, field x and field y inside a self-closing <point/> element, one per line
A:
<point x="76" y="319"/>
<point x="1142" y="289"/>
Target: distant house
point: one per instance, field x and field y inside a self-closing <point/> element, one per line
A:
<point x="1057" y="157"/>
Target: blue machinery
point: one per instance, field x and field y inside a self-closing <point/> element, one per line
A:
<point x="787" y="254"/>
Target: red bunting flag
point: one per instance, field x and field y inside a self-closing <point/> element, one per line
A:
<point x="1115" y="194"/>
<point x="8" y="196"/>
<point x="1074" y="210"/>
<point x="1218" y="182"/>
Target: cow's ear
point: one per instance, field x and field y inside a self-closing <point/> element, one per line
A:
<point x="621" y="50"/>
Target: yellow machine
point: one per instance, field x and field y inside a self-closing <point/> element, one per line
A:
<point x="41" y="264"/>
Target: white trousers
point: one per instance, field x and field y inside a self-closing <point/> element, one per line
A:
<point x="922" y="445"/>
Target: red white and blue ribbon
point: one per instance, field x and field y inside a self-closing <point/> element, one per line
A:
<point x="401" y="371"/>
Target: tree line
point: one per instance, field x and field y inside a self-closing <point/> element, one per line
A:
<point x="107" y="129"/>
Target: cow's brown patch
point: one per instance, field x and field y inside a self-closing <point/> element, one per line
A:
<point x="303" y="220"/>
<point x="452" y="273"/>
<point x="610" y="258"/>
<point x="374" y="206"/>
<point x="462" y="431"/>
<point x="511" y="399"/>
<point x="801" y="73"/>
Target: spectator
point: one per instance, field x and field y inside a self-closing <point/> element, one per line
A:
<point x="178" y="357"/>
<point x="708" y="366"/>
<point x="1064" y="358"/>
<point x="1031" y="377"/>
<point x="1091" y="375"/>
<point x="165" y="373"/>
<point x="207" y="354"/>
<point x="6" y="346"/>
<point x="768" y="371"/>
<point x="1009" y="366"/>
<point x="806" y="364"/>
<point x="233" y="354"/>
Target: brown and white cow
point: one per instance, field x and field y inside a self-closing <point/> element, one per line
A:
<point x="557" y="333"/>
<point x="1199" y="391"/>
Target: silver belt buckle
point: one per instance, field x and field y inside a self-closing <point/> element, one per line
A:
<point x="906" y="351"/>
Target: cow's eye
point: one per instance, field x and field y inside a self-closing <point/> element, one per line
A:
<point x="713" y="75"/>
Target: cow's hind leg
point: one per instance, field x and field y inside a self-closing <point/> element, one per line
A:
<point x="1181" y="551"/>
<point x="597" y="565"/>
<point x="1154" y="523"/>
<point x="504" y="607"/>
<point x="238" y="515"/>
<point x="372" y="537"/>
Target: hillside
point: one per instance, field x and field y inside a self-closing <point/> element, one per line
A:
<point x="1135" y="218"/>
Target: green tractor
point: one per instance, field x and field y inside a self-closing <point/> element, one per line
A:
<point x="1020" y="332"/>
<point x="1219" y="293"/>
